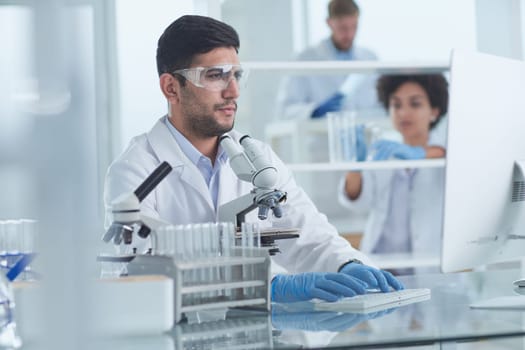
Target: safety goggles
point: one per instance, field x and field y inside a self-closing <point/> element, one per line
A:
<point x="215" y="78"/>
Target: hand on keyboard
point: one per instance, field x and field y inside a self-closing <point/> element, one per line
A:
<point x="306" y="286"/>
<point x="373" y="277"/>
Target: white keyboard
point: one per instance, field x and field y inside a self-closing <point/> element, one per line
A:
<point x="375" y="301"/>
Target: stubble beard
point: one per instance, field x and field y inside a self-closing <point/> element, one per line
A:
<point x="206" y="126"/>
<point x="201" y="122"/>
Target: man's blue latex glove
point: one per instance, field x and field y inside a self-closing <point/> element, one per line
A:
<point x="374" y="278"/>
<point x="361" y="150"/>
<point x="332" y="104"/>
<point x="385" y="149"/>
<point x="321" y="285"/>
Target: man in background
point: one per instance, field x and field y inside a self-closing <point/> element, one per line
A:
<point x="312" y="96"/>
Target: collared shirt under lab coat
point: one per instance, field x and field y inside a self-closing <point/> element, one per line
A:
<point x="300" y="95"/>
<point x="183" y="198"/>
<point x="425" y="203"/>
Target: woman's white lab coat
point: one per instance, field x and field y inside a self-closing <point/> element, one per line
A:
<point x="183" y="197"/>
<point x="425" y="205"/>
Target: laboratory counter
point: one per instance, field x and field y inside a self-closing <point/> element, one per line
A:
<point x="446" y="320"/>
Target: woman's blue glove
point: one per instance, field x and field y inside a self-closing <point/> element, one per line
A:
<point x="306" y="286"/>
<point x="385" y="149"/>
<point x="373" y="277"/>
<point x="332" y="104"/>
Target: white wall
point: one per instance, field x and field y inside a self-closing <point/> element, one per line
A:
<point x="139" y="25"/>
<point x="18" y="87"/>
<point x="396" y="30"/>
<point x="406" y="29"/>
<point x="500" y="30"/>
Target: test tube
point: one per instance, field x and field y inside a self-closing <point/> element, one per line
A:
<point x="14" y="236"/>
<point x="189" y="255"/>
<point x="158" y="241"/>
<point x="373" y="134"/>
<point x="205" y="249"/>
<point x="179" y="242"/>
<point x="348" y="137"/>
<point x="257" y="235"/>
<point x="226" y="237"/>
<point x="251" y="267"/>
<point x="245" y="253"/>
<point x="168" y="240"/>
<point x="28" y="234"/>
<point x="342" y="136"/>
<point x="215" y="236"/>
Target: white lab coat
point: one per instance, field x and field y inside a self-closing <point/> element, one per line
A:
<point x="426" y="208"/>
<point x="183" y="197"/>
<point x="300" y="95"/>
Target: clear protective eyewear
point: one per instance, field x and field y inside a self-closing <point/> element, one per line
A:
<point x="215" y="78"/>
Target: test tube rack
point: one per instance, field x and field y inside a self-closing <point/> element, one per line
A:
<point x="245" y="269"/>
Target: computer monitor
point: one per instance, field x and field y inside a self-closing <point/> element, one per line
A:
<point x="484" y="207"/>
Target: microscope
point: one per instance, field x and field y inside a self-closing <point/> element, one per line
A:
<point x="127" y="218"/>
<point x="234" y="275"/>
<point x="205" y="286"/>
<point x="251" y="165"/>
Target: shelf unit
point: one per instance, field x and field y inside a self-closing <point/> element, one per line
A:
<point x="292" y="135"/>
<point x="370" y="165"/>
<point x="322" y="67"/>
<point x="295" y="130"/>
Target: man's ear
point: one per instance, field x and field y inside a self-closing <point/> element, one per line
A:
<point x="170" y="87"/>
<point x="329" y="23"/>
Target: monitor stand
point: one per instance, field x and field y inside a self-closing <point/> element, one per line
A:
<point x="519" y="285"/>
<point x="509" y="302"/>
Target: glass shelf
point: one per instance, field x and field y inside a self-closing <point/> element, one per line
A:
<point x="372" y="165"/>
<point x="322" y="67"/>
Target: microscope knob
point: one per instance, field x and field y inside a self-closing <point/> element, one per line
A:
<point x="144" y="231"/>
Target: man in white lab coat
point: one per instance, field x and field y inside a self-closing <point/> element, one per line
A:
<point x="200" y="76"/>
<point x="312" y="96"/>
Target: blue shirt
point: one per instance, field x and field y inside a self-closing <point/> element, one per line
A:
<point x="210" y="173"/>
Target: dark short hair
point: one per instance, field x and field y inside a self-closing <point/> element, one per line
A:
<point x="339" y="8"/>
<point x="435" y="85"/>
<point x="189" y="36"/>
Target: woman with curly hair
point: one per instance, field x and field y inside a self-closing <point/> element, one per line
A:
<point x="404" y="205"/>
